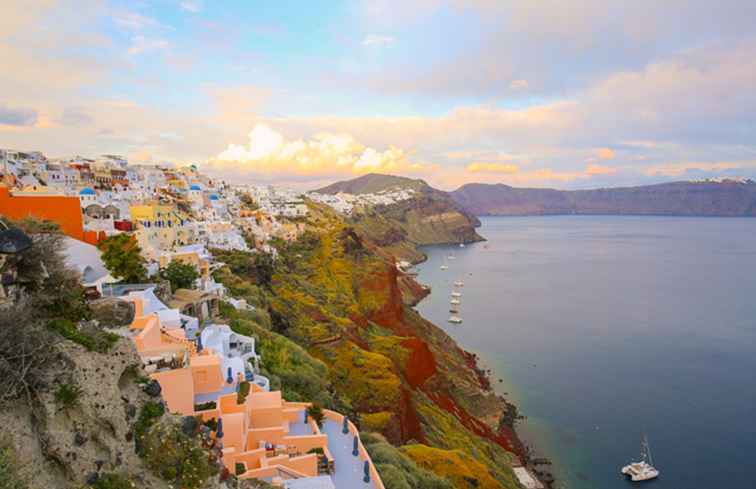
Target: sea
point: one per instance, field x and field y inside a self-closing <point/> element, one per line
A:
<point x="604" y="328"/>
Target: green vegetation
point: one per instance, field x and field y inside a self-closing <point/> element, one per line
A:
<point x="239" y="469"/>
<point x="10" y="468"/>
<point x="462" y="470"/>
<point x="113" y="480"/>
<point x="397" y="470"/>
<point x="205" y="406"/>
<point x="67" y="396"/>
<point x="148" y="415"/>
<point x="122" y="256"/>
<point x="177" y="457"/>
<point x="94" y="340"/>
<point x="241" y="396"/>
<point x="315" y="411"/>
<point x="180" y="275"/>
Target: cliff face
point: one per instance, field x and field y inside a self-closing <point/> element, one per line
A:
<point x="429" y="217"/>
<point x="66" y="441"/>
<point x="343" y="300"/>
<point x="728" y="198"/>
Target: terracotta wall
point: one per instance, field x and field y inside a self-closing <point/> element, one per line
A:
<point x="177" y="391"/>
<point x="63" y="210"/>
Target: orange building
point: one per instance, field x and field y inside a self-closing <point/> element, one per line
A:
<point x="60" y="209"/>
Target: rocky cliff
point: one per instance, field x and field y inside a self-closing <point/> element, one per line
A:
<point x="726" y="198"/>
<point x="429" y="217"/>
<point x="339" y="298"/>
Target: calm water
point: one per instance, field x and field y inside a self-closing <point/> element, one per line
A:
<point x="603" y="327"/>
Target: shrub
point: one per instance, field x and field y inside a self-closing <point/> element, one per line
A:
<point x="97" y="340"/>
<point x="240" y="468"/>
<point x="316" y="413"/>
<point x="149" y="413"/>
<point x="10" y="473"/>
<point x="241" y="396"/>
<point x="123" y="258"/>
<point x="112" y="480"/>
<point x="205" y="406"/>
<point x="176" y="457"/>
<point x="397" y="470"/>
<point x="180" y="275"/>
<point x="67" y="395"/>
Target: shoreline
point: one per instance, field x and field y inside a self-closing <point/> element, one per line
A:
<point x="533" y="464"/>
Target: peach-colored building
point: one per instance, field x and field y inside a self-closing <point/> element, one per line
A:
<point x="262" y="435"/>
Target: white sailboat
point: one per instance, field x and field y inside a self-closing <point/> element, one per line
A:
<point x="459" y="283"/>
<point x="444" y="267"/>
<point x="455" y="302"/>
<point x="455" y="319"/>
<point x="643" y="470"/>
<point x="456" y="294"/>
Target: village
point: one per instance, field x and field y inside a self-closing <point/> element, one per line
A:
<point x="202" y="367"/>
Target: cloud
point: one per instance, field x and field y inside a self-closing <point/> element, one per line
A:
<point x="492" y="168"/>
<point x="141" y="44"/>
<point x="376" y="40"/>
<point x="17" y="116"/>
<point x="193" y="6"/>
<point x="680" y="169"/>
<point x="594" y="170"/>
<point x="270" y="155"/>
<point x="518" y="84"/>
<point x="135" y="21"/>
<point x="605" y="153"/>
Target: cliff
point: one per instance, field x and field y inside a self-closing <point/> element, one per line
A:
<point x="339" y="298"/>
<point x="429" y="217"/>
<point x="727" y="198"/>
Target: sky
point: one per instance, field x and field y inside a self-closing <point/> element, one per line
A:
<point x="542" y="93"/>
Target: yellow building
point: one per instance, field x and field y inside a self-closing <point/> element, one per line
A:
<point x="159" y="227"/>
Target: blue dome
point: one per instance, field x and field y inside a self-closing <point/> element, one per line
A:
<point x="195" y="187"/>
<point x="213" y="197"/>
<point x="87" y="191"/>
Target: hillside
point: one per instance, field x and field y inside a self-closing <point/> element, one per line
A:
<point x="429" y="217"/>
<point x="336" y="324"/>
<point x="372" y="183"/>
<point x="727" y="198"/>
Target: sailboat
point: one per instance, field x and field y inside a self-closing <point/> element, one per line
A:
<point x="459" y="283"/>
<point x="643" y="470"/>
<point x="455" y="319"/>
<point x="456" y="294"/>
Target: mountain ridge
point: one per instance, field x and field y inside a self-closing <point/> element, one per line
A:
<point x="728" y="198"/>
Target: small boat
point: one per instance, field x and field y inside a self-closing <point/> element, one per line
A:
<point x="451" y="257"/>
<point x="461" y="245"/>
<point x="455" y="319"/>
<point x="456" y="294"/>
<point x="444" y="267"/>
<point x="459" y="283"/>
<point x="455" y="302"/>
<point x="453" y="310"/>
<point x="643" y="470"/>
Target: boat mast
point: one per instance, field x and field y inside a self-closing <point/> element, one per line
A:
<point x="646" y="451"/>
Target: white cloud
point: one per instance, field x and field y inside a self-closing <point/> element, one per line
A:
<point x="269" y="153"/>
<point x="376" y="40"/>
<point x="141" y="44"/>
<point x="193" y="6"/>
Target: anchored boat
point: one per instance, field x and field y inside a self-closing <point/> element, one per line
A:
<point x="459" y="283"/>
<point x="456" y="294"/>
<point x="455" y="302"/>
<point x="643" y="470"/>
<point x="455" y="319"/>
<point x="444" y="267"/>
